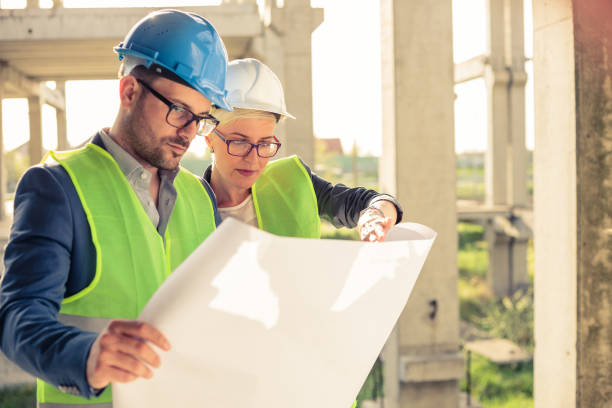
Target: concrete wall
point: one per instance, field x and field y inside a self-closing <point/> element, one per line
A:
<point x="573" y="209"/>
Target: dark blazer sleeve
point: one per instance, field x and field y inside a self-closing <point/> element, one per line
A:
<point x="38" y="261"/>
<point x="341" y="205"/>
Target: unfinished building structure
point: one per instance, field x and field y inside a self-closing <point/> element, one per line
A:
<point x="573" y="217"/>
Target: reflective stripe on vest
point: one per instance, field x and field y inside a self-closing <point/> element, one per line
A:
<point x="131" y="258"/>
<point x="94" y="324"/>
<point x="285" y="200"/>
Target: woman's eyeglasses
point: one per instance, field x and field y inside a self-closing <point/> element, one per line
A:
<point x="242" y="148"/>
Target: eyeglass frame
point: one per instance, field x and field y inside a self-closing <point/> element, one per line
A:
<point x="171" y="105"/>
<point x="253" y="145"/>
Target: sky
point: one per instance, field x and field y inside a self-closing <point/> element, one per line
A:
<point x="344" y="83"/>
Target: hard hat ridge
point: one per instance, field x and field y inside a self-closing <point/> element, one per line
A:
<point x="251" y="84"/>
<point x="185" y="44"/>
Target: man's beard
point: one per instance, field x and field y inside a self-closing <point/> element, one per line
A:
<point x="144" y="142"/>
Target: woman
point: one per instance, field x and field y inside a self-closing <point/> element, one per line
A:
<point x="283" y="196"/>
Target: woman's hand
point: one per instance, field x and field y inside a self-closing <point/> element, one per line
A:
<point x="376" y="221"/>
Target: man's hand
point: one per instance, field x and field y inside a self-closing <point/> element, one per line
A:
<point x="122" y="353"/>
<point x="376" y="220"/>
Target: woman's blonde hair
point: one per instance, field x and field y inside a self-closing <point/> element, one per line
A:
<point x="224" y="117"/>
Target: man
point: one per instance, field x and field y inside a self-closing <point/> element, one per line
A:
<point x="97" y="230"/>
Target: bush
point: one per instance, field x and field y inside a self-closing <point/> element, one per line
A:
<point x="510" y="318"/>
<point x="501" y="386"/>
<point x="20" y="396"/>
<point x="469" y="234"/>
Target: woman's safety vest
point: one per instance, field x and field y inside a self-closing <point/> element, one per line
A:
<point x="285" y="201"/>
<point x="131" y="259"/>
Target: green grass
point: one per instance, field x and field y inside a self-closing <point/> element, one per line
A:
<point x="501" y="386"/>
<point x="511" y="318"/>
<point x="21" y="396"/>
<point x="473" y="257"/>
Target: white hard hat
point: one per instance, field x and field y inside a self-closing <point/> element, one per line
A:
<point x="251" y="84"/>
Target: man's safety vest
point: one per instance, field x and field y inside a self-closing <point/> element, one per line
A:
<point x="131" y="259"/>
<point x="285" y="201"/>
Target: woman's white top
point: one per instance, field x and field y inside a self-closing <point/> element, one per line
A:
<point x="245" y="212"/>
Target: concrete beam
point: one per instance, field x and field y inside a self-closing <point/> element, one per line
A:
<point x="431" y="368"/>
<point x="22" y="86"/>
<point x="72" y="44"/>
<point x="231" y="20"/>
<point x="468" y="211"/>
<point x="470" y="69"/>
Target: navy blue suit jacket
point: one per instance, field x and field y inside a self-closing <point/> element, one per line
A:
<point x="49" y="256"/>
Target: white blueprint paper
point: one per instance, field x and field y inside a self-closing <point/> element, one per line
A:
<point x="261" y="321"/>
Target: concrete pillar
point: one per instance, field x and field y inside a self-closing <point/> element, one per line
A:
<point x="391" y="368"/>
<point x="418" y="166"/>
<point x="496" y="80"/>
<point x="506" y="156"/>
<point x="515" y="52"/>
<point x="507" y="239"/>
<point x="35" y="148"/>
<point x="573" y="209"/>
<point x="268" y="47"/>
<point x="60" y="115"/>
<point x="296" y="22"/>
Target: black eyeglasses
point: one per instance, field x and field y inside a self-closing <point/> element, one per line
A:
<point x="242" y="148"/>
<point x="180" y="117"/>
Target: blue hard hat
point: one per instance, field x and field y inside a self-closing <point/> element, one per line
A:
<point x="185" y="44"/>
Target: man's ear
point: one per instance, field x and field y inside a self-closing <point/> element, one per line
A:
<point x="129" y="91"/>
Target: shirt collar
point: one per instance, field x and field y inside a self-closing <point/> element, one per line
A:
<point x="127" y="163"/>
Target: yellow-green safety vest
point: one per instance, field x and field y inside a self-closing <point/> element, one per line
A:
<point x="285" y="200"/>
<point x="131" y="259"/>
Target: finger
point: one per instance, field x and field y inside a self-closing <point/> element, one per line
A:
<point x="106" y="374"/>
<point x="366" y="231"/>
<point x="123" y="361"/>
<point x="118" y="375"/>
<point x="133" y="346"/>
<point x="141" y="330"/>
<point x="389" y="223"/>
<point x="370" y="236"/>
<point x="375" y="226"/>
<point x="379" y="233"/>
